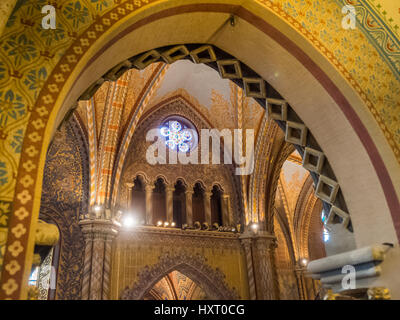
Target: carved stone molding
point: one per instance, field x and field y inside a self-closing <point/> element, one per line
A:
<point x="186" y="238"/>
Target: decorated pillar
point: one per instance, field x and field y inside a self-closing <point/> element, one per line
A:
<point x="149" y="204"/>
<point x="246" y="241"/>
<point x="225" y="199"/>
<point x="98" y="233"/>
<point x="259" y="251"/>
<point x="189" y="207"/>
<point x="129" y="186"/>
<point x="207" y="207"/>
<point x="169" y="205"/>
<point x="264" y="265"/>
<point x="299" y="272"/>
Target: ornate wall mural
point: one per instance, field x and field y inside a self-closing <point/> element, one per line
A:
<point x="375" y="80"/>
<point x="64" y="198"/>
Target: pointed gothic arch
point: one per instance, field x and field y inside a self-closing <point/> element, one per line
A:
<point x="193" y="266"/>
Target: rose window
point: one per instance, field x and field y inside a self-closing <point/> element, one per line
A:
<point x="179" y="134"/>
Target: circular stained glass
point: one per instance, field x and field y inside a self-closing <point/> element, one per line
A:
<point x="179" y="133"/>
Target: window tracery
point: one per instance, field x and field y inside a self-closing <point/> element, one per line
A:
<point x="180" y="134"/>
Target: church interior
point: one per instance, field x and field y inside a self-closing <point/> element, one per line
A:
<point x="199" y="150"/>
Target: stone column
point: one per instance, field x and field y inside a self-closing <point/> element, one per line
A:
<point x="265" y="273"/>
<point x="207" y="207"/>
<point x="129" y="187"/>
<point x="98" y="235"/>
<point x="189" y="207"/>
<point x="299" y="272"/>
<point x="225" y="209"/>
<point x="149" y="204"/>
<point x="246" y="242"/>
<point x="169" y="202"/>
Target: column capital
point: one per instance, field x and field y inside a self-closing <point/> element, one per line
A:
<point x="169" y="188"/>
<point x="264" y="239"/>
<point x="246" y="242"/>
<point x="99" y="228"/>
<point x="247" y="234"/>
<point x="149" y="187"/>
<point x="300" y="270"/>
<point x="207" y="194"/>
<point x="129" y="185"/>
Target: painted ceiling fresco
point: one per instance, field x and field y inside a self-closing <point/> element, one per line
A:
<point x="214" y="97"/>
<point x="292" y="179"/>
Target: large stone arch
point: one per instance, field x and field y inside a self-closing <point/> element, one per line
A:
<point x="193" y="266"/>
<point x="272" y="45"/>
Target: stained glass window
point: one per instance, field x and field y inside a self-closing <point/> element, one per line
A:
<point x="178" y="135"/>
<point x="325" y="231"/>
<point x="34" y="277"/>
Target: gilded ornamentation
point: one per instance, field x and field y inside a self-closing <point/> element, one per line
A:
<point x="379" y="293"/>
<point x="33" y="293"/>
<point x="194" y="266"/>
<point x="64" y="198"/>
<point x="46" y="234"/>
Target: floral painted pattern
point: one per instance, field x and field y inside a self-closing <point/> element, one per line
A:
<point x="76" y="12"/>
<point x="20" y="48"/>
<point x="35" y="79"/>
<point x="11" y="106"/>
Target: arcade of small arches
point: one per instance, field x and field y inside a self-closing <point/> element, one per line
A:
<point x="178" y="204"/>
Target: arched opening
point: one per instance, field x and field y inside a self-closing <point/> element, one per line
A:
<point x="179" y="204"/>
<point x="216" y="206"/>
<point x="198" y="203"/>
<point x="193" y="267"/>
<point x="270" y="52"/>
<point x="159" y="201"/>
<point x="138" y="203"/>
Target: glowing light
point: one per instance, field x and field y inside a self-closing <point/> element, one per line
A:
<point x="187" y="135"/>
<point x="173" y="224"/>
<point x="165" y="131"/>
<point x="34" y="277"/>
<point x="166" y="224"/>
<point x="254" y="226"/>
<point x="304" y="261"/>
<point x="129" y="221"/>
<point x="177" y="137"/>
<point x="323" y="216"/>
<point x="326" y="235"/>
<point x="159" y="223"/>
<point x="184" y="147"/>
<point x="97" y="208"/>
<point x="175" y="126"/>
